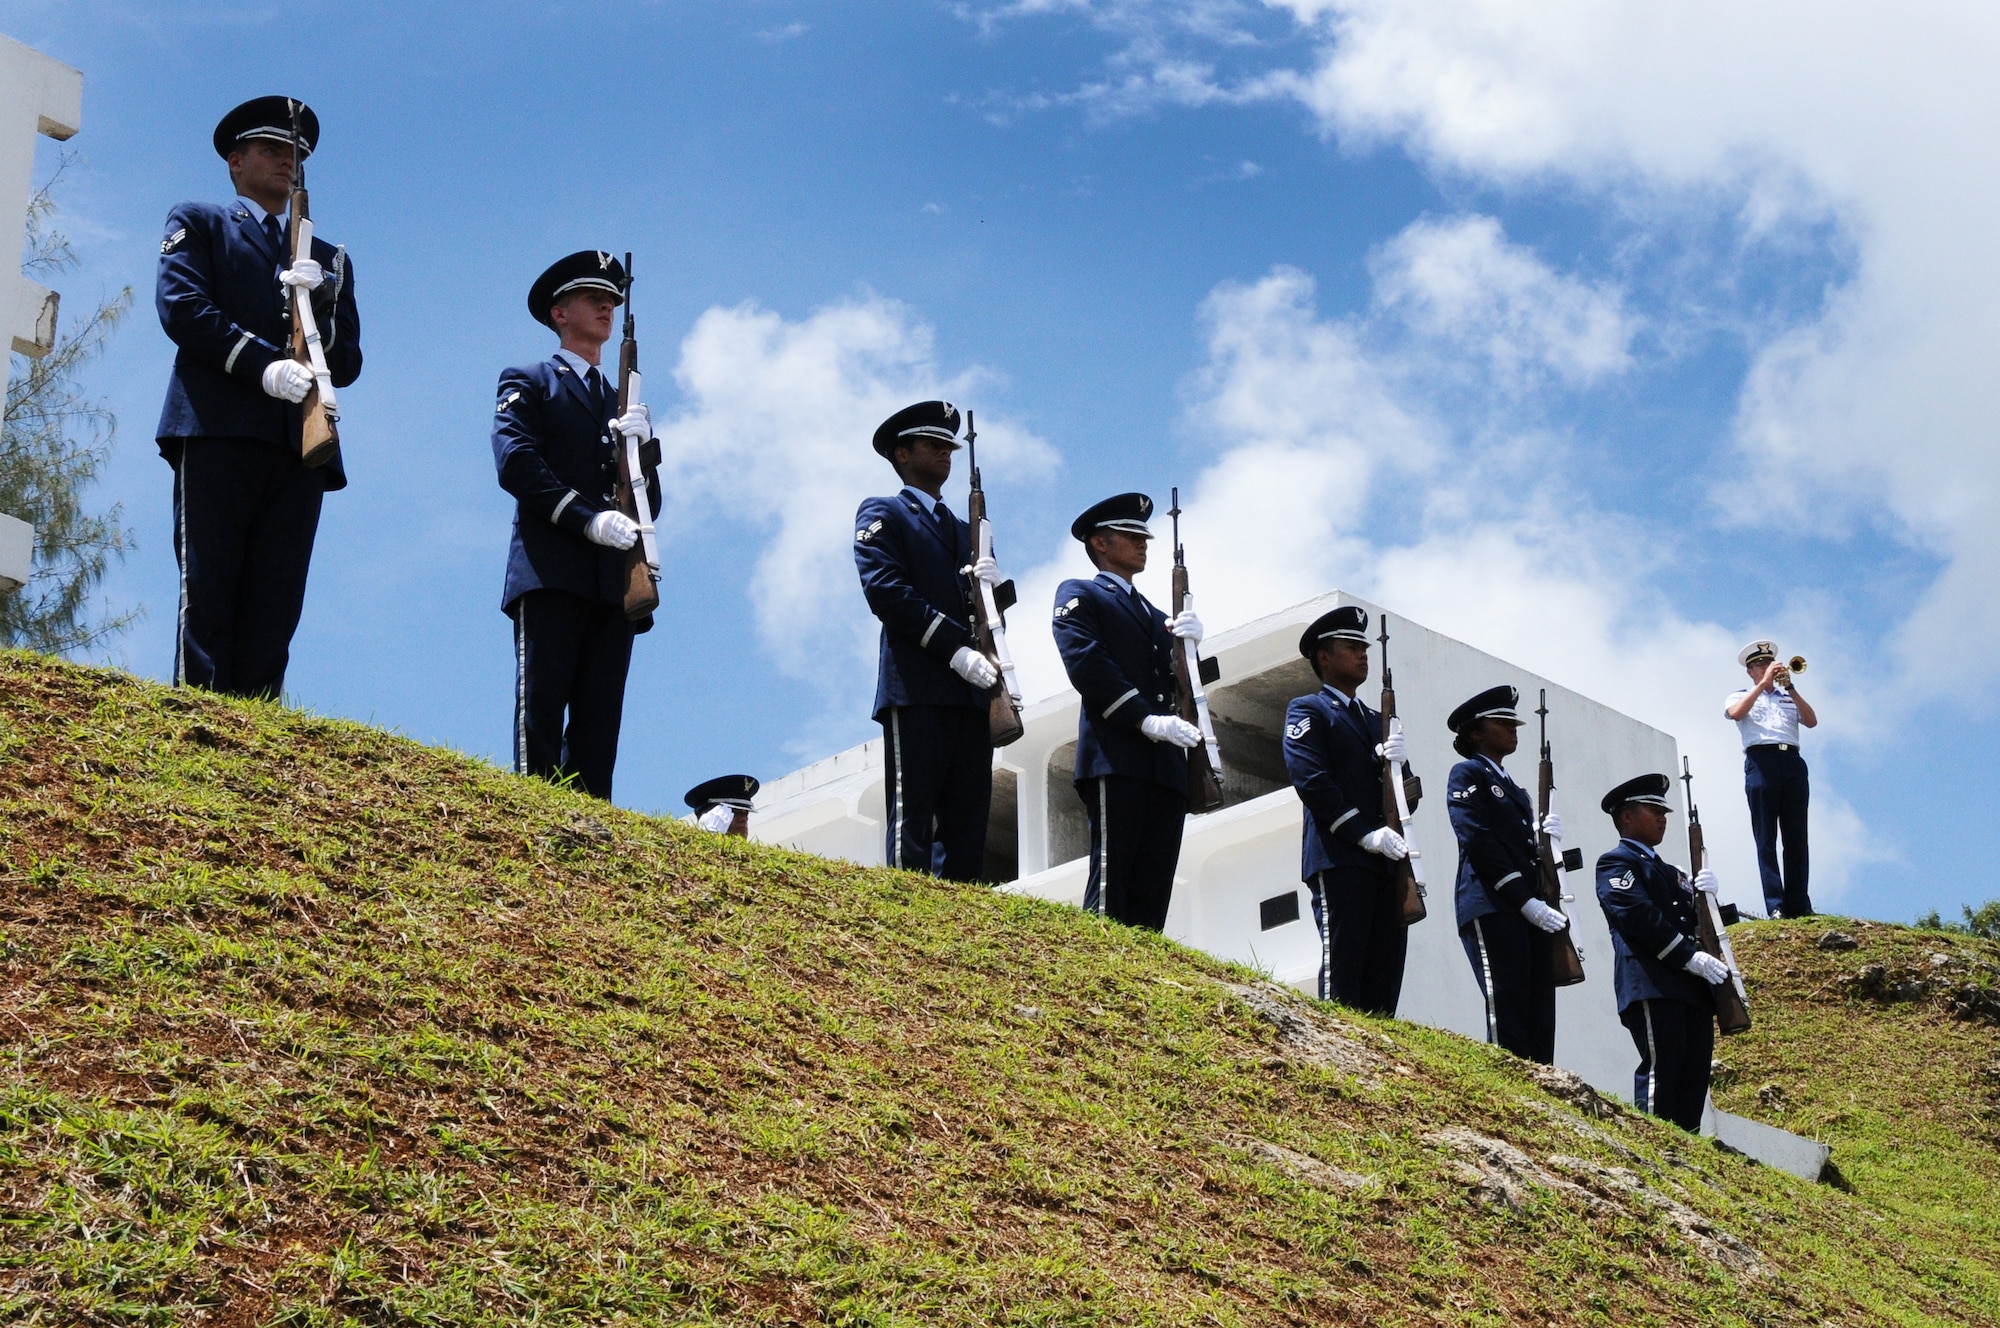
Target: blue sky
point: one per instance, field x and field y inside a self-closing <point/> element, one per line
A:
<point x="1603" y="340"/>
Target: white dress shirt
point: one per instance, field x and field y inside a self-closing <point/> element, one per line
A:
<point x="1773" y="718"/>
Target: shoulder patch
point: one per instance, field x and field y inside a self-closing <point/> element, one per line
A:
<point x="1064" y="610"/>
<point x="507" y="401"/>
<point x="1622" y="881"/>
<point x="173" y="241"/>
<point x="868" y="532"/>
<point x="1299" y="727"/>
<point x="1464" y="794"/>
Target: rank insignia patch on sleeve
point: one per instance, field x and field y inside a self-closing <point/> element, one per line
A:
<point x="507" y="401"/>
<point x="172" y="242"/>
<point x="868" y="532"/>
<point x="1622" y="881"/>
<point x="1462" y="795"/>
<point x="1064" y="610"/>
<point x="1299" y="728"/>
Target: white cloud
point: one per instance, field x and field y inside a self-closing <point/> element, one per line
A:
<point x="785" y="33"/>
<point x="774" y="433"/>
<point x="1460" y="282"/>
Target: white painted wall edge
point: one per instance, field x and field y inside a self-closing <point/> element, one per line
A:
<point x="17" y="552"/>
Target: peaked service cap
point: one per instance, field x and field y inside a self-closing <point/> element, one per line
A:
<point x="1648" y="789"/>
<point x="1757" y="650"/>
<point x="727" y="791"/>
<point x="1349" y="622"/>
<point x="1493" y="703"/>
<point x="926" y="419"/>
<point x="267" y="117"/>
<point x="587" y="269"/>
<point x="1125" y="511"/>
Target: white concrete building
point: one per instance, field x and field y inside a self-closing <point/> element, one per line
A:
<point x="1237" y="894"/>
<point x="37" y="96"/>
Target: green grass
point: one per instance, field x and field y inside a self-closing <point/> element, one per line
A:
<point x="301" y="1023"/>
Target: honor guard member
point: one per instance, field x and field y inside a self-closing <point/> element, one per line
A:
<point x="1504" y="926"/>
<point x="931" y="686"/>
<point x="1768" y="714"/>
<point x="245" y="507"/>
<point x="722" y="806"/>
<point x="1131" y="749"/>
<point x="1663" y="977"/>
<point x="556" y="446"/>
<point x="1335" y="751"/>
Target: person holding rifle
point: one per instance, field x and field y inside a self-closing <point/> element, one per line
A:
<point x="1131" y="748"/>
<point x="1662" y="974"/>
<point x="933" y="690"/>
<point x="1336" y="750"/>
<point x="1505" y="926"/>
<point x="722" y="806"/>
<point x="246" y="505"/>
<point x="557" y="435"/>
<point x="1768" y="714"/>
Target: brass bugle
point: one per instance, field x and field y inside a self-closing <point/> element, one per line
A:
<point x="1797" y="664"/>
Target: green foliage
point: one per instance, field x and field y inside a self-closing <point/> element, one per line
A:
<point x="1983" y="922"/>
<point x="301" y="1023"/>
<point x="54" y="441"/>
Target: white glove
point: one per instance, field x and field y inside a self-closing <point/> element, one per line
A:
<point x="1186" y="626"/>
<point x="1552" y="826"/>
<point x="974" y="667"/>
<point x="986" y="571"/>
<point x="1391" y="748"/>
<point x="636" y="423"/>
<point x="614" y="530"/>
<point x="1541" y="915"/>
<point x="1704" y="881"/>
<point x="1708" y="968"/>
<point x="716" y="820"/>
<point x="1170" y="728"/>
<point x="287" y="380"/>
<point x="1386" y="842"/>
<point x="305" y="273"/>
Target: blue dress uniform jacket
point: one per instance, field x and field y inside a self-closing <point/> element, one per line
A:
<point x="220" y="302"/>
<point x="1120" y="658"/>
<point x="1494" y="820"/>
<point x="558" y="459"/>
<point x="912" y="573"/>
<point x="1651" y="909"/>
<point x="1330" y="754"/>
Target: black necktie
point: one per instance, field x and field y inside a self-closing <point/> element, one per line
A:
<point x="595" y="381"/>
<point x="274" y="235"/>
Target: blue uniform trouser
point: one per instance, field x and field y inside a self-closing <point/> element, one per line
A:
<point x="1511" y="963"/>
<point x="1135" y="845"/>
<point x="1774" y="780"/>
<point x="937" y="790"/>
<point x="570" y="655"/>
<point x="1363" y="941"/>
<point x="1675" y="1041"/>
<point x="245" y="513"/>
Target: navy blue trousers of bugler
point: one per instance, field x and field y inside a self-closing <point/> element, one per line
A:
<point x="570" y="658"/>
<point x="245" y="513"/>
<point x="1775" y="782"/>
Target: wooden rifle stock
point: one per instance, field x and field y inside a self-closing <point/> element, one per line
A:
<point x="630" y="492"/>
<point x="1732" y="1002"/>
<point x="1190" y="702"/>
<point x="1565" y="961"/>
<point x="989" y="622"/>
<point x="319" y="432"/>
<point x="1406" y="872"/>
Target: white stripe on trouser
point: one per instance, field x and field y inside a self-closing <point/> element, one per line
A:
<point x="521" y="685"/>
<point x="181" y="620"/>
<point x="1652" y="1063"/>
<point x="1486" y="983"/>
<point x="1325" y="937"/>
<point x="896" y="752"/>
<point x="1103" y="846"/>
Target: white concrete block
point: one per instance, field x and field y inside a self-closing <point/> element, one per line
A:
<point x="1802" y="1157"/>
<point x="38" y="96"/>
<point x="17" y="552"/>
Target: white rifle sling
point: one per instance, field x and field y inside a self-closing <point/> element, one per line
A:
<point x="1192" y="652"/>
<point x="642" y="500"/>
<point x="309" y="325"/>
<point x="1403" y="814"/>
<point x="1005" y="658"/>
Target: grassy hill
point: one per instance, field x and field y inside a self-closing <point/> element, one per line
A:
<point x="301" y="1023"/>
